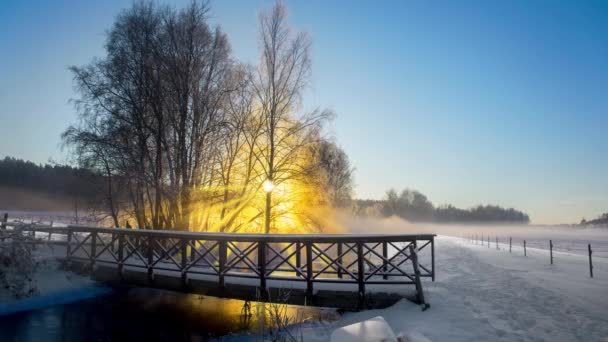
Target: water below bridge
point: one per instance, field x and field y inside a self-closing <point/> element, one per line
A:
<point x="135" y="314"/>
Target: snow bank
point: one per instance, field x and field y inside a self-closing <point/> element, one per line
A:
<point x="53" y="285"/>
<point x="484" y="294"/>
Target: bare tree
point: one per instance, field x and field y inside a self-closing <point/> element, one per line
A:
<point x="281" y="77"/>
<point x="186" y="137"/>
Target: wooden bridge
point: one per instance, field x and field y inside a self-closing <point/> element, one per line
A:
<point x="327" y="270"/>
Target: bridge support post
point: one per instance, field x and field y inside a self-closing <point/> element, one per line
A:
<point x="384" y="262"/>
<point x="361" y="275"/>
<point x="150" y="252"/>
<point x="419" y="291"/>
<point x="223" y="251"/>
<point x="184" y="262"/>
<point x="69" y="247"/>
<point x="298" y="257"/>
<point x="262" y="267"/>
<point x="121" y="257"/>
<point x="339" y="262"/>
<point x="309" y="275"/>
<point x="93" y="251"/>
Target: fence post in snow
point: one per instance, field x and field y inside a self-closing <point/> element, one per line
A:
<point x="590" y="261"/>
<point x="4" y="220"/>
<point x="525" y="254"/>
<point x="497" y="242"/>
<point x="50" y="225"/>
<point x="551" y="250"/>
<point x="488" y="241"/>
<point x="510" y="243"/>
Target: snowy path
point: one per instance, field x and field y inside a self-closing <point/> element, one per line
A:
<point x="482" y="294"/>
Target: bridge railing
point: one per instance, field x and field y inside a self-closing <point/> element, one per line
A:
<point x="315" y="258"/>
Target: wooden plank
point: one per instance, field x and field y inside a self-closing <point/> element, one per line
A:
<point x="318" y="238"/>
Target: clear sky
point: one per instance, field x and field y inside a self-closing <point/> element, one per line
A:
<point x="469" y="102"/>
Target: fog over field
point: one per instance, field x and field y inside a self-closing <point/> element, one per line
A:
<point x="566" y="238"/>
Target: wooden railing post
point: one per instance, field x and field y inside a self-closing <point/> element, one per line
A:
<point x="510" y="243"/>
<point x="184" y="262"/>
<point x="339" y="261"/>
<point x="121" y="246"/>
<point x="262" y="265"/>
<point x="419" y="290"/>
<point x="69" y="246"/>
<point x="525" y="253"/>
<point x="223" y="255"/>
<point x="361" y="274"/>
<point x="193" y="251"/>
<point x="298" y="258"/>
<point x="384" y="262"/>
<point x="309" y="275"/>
<point x="150" y="252"/>
<point x="93" y="250"/>
<point x="551" y="250"/>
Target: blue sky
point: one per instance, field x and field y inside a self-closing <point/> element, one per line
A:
<point x="469" y="102"/>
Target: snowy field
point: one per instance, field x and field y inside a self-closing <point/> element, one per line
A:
<point x="484" y="294"/>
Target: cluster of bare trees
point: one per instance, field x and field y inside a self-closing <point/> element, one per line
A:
<point x="189" y="138"/>
<point x="414" y="206"/>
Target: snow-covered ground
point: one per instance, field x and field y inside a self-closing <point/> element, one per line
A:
<point x="48" y="278"/>
<point x="484" y="294"/>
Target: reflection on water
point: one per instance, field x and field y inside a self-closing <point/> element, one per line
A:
<point x="152" y="315"/>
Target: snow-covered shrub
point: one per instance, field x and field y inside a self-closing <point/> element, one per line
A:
<point x="17" y="264"/>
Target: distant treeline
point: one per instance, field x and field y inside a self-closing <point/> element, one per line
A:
<point x="602" y="220"/>
<point x="416" y="207"/>
<point x="49" y="179"/>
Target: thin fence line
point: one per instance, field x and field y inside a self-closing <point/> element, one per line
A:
<point x="472" y="238"/>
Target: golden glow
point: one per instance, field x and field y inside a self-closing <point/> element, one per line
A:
<point x="232" y="199"/>
<point x="268" y="186"/>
